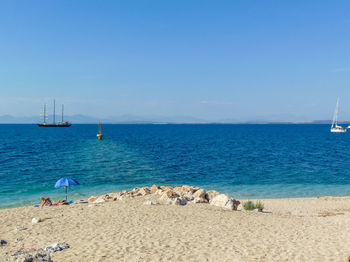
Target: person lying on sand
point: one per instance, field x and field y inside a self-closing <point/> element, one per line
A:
<point x="45" y="201"/>
<point x="59" y="203"/>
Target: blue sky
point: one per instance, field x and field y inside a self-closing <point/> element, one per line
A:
<point x="246" y="60"/>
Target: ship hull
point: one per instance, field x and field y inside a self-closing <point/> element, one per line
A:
<point x="54" y="125"/>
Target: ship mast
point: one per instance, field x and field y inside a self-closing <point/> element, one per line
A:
<point x="62" y="112"/>
<point x="44" y="114"/>
<point x="54" y="110"/>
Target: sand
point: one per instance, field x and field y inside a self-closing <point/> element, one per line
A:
<point x="314" y="229"/>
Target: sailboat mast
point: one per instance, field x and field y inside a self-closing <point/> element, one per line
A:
<point x="335" y="116"/>
<point x="336" y="112"/>
<point x="54" y="111"/>
<point x="62" y="112"/>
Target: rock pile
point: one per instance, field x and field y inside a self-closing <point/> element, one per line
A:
<point x="180" y="195"/>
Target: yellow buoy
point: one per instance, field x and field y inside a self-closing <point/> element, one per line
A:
<point x="99" y="135"/>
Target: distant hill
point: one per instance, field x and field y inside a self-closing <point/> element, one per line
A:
<point x="133" y="119"/>
<point x="84" y="119"/>
<point x="328" y="122"/>
<point x="8" y="119"/>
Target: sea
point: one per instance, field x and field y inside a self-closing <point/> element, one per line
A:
<point x="244" y="161"/>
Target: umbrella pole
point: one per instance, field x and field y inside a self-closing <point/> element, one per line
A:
<point x="66" y="193"/>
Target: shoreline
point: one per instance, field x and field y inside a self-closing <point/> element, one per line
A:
<point x="141" y="225"/>
<point x="246" y="196"/>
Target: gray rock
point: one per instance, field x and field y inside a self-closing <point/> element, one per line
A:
<point x="188" y="196"/>
<point x="180" y="201"/>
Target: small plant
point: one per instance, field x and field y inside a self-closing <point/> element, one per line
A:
<point x="249" y="205"/>
<point x="259" y="205"/>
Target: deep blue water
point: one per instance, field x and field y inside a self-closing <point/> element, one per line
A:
<point x="246" y="161"/>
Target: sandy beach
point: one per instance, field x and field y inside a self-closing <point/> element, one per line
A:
<point x="312" y="229"/>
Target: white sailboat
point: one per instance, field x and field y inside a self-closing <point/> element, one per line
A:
<point x="335" y="128"/>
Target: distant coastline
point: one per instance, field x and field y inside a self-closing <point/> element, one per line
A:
<point x="83" y="119"/>
<point x="186" y="123"/>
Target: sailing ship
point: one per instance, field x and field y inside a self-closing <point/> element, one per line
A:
<point x="54" y="124"/>
<point x="335" y="128"/>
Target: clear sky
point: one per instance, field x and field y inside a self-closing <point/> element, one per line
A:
<point x="245" y="60"/>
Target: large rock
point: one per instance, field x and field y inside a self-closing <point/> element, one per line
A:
<point x="179" y="201"/>
<point x="189" y="189"/>
<point x="225" y="202"/>
<point x="200" y="193"/>
<point x="120" y="194"/>
<point x="159" y="192"/>
<point x="135" y="190"/>
<point x="135" y="194"/>
<point x="171" y="194"/>
<point x="178" y="190"/>
<point x="197" y="200"/>
<point x="154" y="188"/>
<point x="145" y="191"/>
<point x="123" y="197"/>
<point x="163" y="198"/>
<point x="166" y="188"/>
<point x="200" y="196"/>
<point x="171" y="198"/>
<point x="188" y="196"/>
<point x="211" y="194"/>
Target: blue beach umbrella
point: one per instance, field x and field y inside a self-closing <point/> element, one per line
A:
<point x="66" y="182"/>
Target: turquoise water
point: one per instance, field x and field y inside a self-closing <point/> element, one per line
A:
<point x="246" y="161"/>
